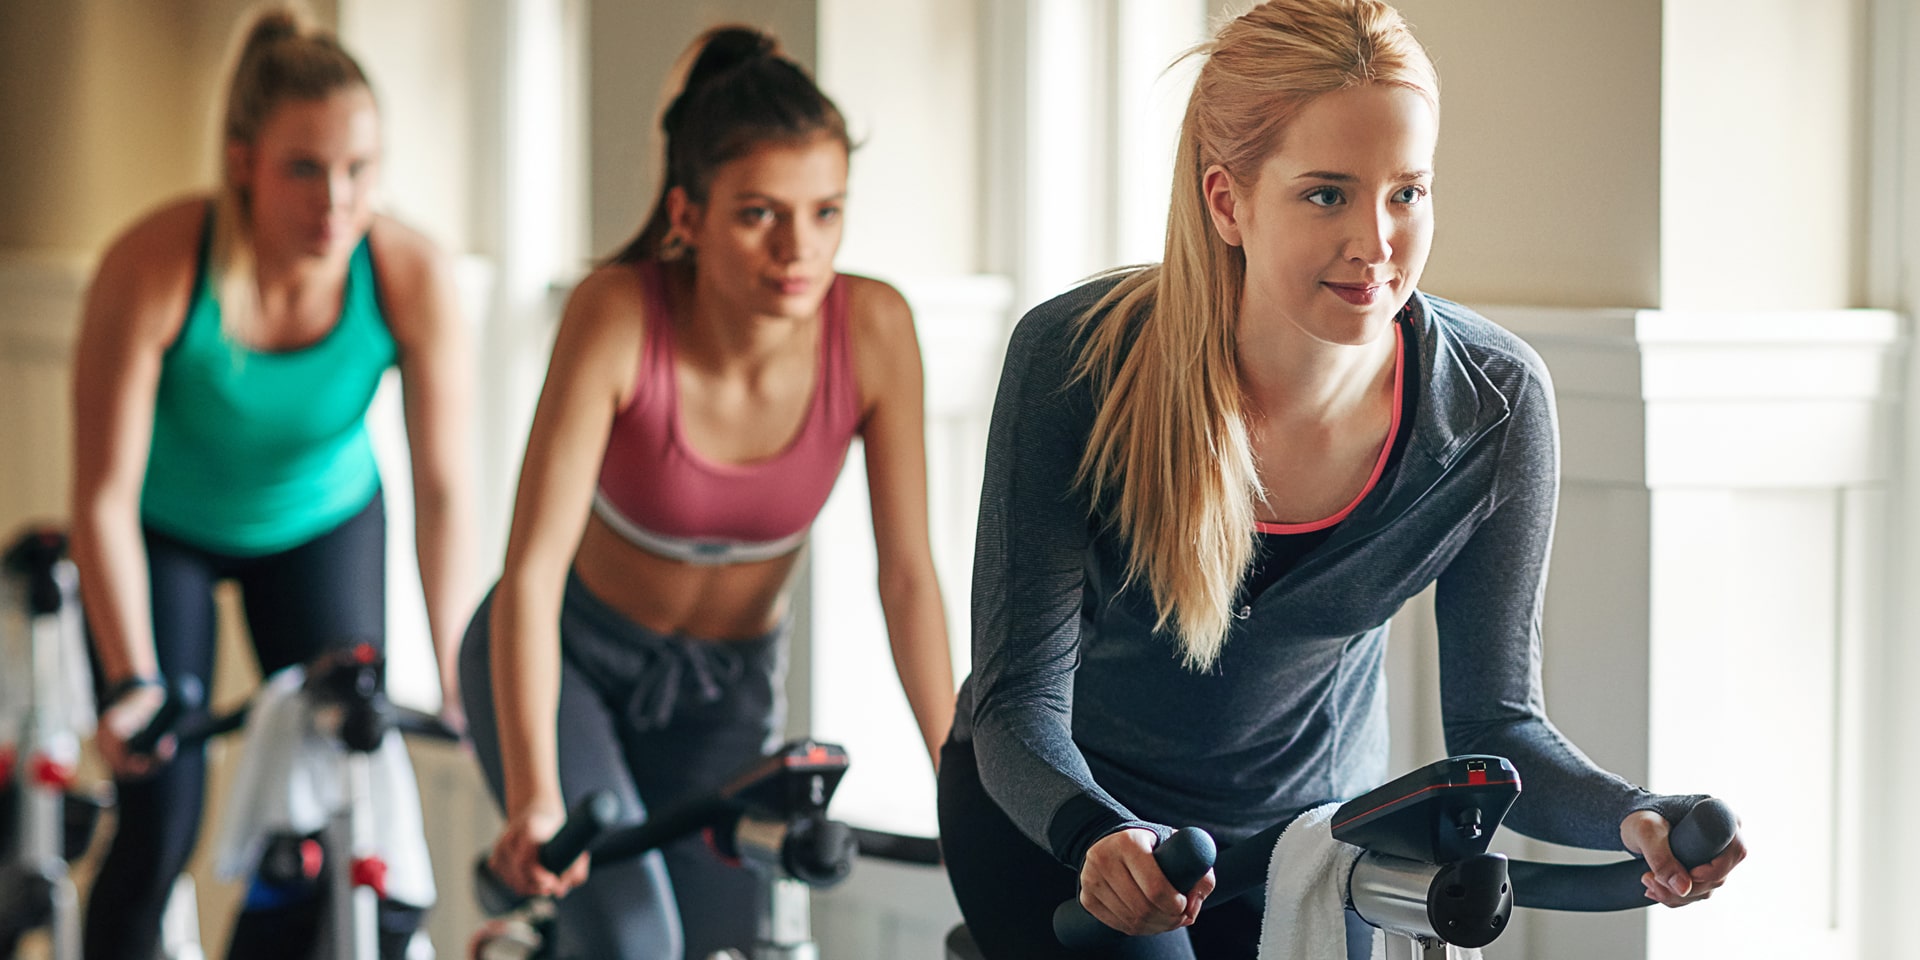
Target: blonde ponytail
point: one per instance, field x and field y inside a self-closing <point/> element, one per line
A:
<point x="1169" y="462"/>
<point x="282" y="55"/>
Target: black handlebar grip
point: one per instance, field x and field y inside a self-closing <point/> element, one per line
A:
<point x="1184" y="858"/>
<point x="1703" y="834"/>
<point x="182" y="695"/>
<point x="595" y="812"/>
<point x="588" y="818"/>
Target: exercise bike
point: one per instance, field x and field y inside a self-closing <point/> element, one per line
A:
<point x="771" y="816"/>
<point x="1425" y="876"/>
<point x="45" y="710"/>
<point x="328" y="847"/>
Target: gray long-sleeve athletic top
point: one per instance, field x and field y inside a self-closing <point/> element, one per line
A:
<point x="1084" y="720"/>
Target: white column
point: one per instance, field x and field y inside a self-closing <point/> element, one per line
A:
<point x="1715" y="613"/>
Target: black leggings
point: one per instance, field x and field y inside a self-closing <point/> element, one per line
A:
<point x="1007" y="887"/>
<point x="327" y="591"/>
<point x="657" y="720"/>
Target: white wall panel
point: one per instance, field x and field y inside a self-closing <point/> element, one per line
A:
<point x="1717" y="588"/>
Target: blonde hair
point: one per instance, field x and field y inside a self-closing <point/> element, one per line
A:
<point x="282" y="56"/>
<point x="1169" y="460"/>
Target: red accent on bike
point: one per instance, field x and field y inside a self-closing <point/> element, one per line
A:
<point x="1476" y="777"/>
<point x="816" y="754"/>
<point x="48" y="772"/>
<point x="714" y="845"/>
<point x="312" y="855"/>
<point x="371" y="872"/>
<point x="1438" y="786"/>
<point x="7" y="757"/>
<point x="364" y="653"/>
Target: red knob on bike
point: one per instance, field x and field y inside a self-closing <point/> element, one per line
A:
<point x="51" y="773"/>
<point x="371" y="872"/>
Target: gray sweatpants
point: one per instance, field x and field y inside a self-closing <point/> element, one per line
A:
<point x="657" y="720"/>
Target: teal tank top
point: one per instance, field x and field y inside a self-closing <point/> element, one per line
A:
<point x="255" y="452"/>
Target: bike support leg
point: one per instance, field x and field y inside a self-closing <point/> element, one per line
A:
<point x="786" y="922"/>
<point x="51" y="741"/>
<point x="364" y="918"/>
<point x="1400" y="947"/>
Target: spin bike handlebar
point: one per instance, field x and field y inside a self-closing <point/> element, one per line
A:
<point x="1706" y="831"/>
<point x="590" y="817"/>
<point x="1184" y="858"/>
<point x="1702" y="835"/>
<point x="179" y="713"/>
<point x="773" y="812"/>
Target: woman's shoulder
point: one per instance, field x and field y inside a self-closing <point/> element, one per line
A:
<point x="418" y="294"/>
<point x="1491" y="346"/>
<point x="1069" y="308"/>
<point x="402" y="248"/>
<point x="408" y="263"/>
<point x="874" y="308"/>
<point x="1059" y="325"/>
<point x="161" y="244"/>
<point x="613" y="289"/>
<point x="610" y="309"/>
<point x="144" y="281"/>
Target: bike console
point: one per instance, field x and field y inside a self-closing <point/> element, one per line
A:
<point x="1440" y="813"/>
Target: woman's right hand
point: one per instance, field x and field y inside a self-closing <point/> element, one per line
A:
<point x="123" y="719"/>
<point x="516" y="854"/>
<point x="1122" y="886"/>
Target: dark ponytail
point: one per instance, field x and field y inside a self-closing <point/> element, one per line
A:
<point x="740" y="92"/>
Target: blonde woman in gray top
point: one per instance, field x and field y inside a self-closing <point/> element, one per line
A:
<point x="1212" y="481"/>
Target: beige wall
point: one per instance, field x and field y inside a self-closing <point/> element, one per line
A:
<point x="416" y="56"/>
<point x="109" y="107"/>
<point x="1763" y="155"/>
<point x="631" y="47"/>
<point x="1677" y="154"/>
<point x="106" y="108"/>
<point x="1548" y="175"/>
<point x="906" y="75"/>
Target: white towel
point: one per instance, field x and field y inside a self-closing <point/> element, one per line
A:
<point x="291" y="779"/>
<point x="1307" y="892"/>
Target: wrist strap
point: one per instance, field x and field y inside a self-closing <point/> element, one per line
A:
<point x="119" y="691"/>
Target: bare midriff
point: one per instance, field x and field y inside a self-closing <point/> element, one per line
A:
<point x="721" y="602"/>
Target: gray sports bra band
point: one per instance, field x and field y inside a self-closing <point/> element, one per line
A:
<point x="706" y="552"/>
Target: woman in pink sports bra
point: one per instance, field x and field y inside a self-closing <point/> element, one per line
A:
<point x="704" y="388"/>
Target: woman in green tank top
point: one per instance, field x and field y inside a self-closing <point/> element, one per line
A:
<point x="230" y="347"/>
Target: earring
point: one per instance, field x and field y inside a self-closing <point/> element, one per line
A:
<point x="674" y="245"/>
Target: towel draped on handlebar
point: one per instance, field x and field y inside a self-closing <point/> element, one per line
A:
<point x="291" y="778"/>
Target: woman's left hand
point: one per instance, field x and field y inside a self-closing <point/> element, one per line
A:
<point x="1645" y="834"/>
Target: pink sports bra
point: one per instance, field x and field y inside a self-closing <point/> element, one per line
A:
<point x="665" y="498"/>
